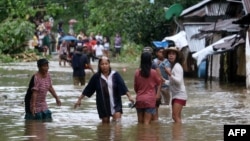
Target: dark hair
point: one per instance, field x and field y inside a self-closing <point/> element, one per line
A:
<point x="146" y="63"/>
<point x="98" y="42"/>
<point x="79" y="48"/>
<point x="107" y="39"/>
<point x="36" y="33"/>
<point x="159" y="48"/>
<point x="99" y="66"/>
<point x="41" y="62"/>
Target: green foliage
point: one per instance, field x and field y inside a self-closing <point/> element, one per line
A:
<point x="104" y="17"/>
<point x="144" y="23"/>
<point x="16" y="30"/>
<point x="138" y="21"/>
<point x="6" y="58"/>
<point x="16" y="9"/>
<point x="130" y="53"/>
<point x="14" y="35"/>
<point x="52" y="9"/>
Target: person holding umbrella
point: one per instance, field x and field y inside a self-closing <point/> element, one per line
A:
<point x="71" y="47"/>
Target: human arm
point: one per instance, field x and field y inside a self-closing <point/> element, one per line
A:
<point x="53" y="93"/>
<point x="78" y="102"/>
<point x="159" y="73"/>
<point x="123" y="90"/>
<point x="136" y="75"/>
<point x="158" y="80"/>
<point x="130" y="98"/>
<point x="87" y="64"/>
<point x="88" y="90"/>
<point x="156" y="67"/>
<point x="91" y="68"/>
<point x="168" y="71"/>
<point x="33" y="102"/>
<point x="177" y="74"/>
<point x="158" y="92"/>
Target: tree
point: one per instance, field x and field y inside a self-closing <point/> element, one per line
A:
<point x="13" y="39"/>
<point x="138" y="20"/>
<point x="16" y="29"/>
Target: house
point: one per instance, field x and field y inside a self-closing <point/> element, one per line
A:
<point x="215" y="38"/>
<point x="244" y="22"/>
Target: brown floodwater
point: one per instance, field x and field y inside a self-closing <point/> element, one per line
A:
<point x="209" y="107"/>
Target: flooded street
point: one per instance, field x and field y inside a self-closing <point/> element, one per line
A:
<point x="209" y="107"/>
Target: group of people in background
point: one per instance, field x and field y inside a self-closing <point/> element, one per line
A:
<point x="82" y="51"/>
<point x="43" y="38"/>
<point x="155" y="79"/>
<point x="97" y="45"/>
<point x="94" y="46"/>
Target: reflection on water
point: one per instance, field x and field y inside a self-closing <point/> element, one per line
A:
<point x="109" y="132"/>
<point x="147" y="132"/>
<point x="178" y="133"/>
<point x="35" y="131"/>
<point x="208" y="108"/>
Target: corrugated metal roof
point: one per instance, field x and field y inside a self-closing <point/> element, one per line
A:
<point x="216" y="9"/>
<point x="184" y="12"/>
<point x="223" y="25"/>
<point x="229" y="44"/>
<point x="246" y="5"/>
<point x="192" y="29"/>
<point x="238" y="1"/>
<point x="199" y="12"/>
<point x="211" y="9"/>
<point x="243" y="20"/>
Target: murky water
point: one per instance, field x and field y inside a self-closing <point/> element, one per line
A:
<point x="209" y="107"/>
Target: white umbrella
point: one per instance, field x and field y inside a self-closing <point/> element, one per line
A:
<point x="72" y="21"/>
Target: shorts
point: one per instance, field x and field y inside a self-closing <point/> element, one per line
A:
<point x="44" y="115"/>
<point x="41" y="49"/>
<point x="118" y="50"/>
<point x="63" y="57"/>
<point x="106" y="48"/>
<point x="147" y="110"/>
<point x="179" y="101"/>
<point x="78" y="80"/>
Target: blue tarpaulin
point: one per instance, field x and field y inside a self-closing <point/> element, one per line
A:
<point x="68" y="38"/>
<point x="160" y="44"/>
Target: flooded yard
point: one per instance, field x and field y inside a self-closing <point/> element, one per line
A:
<point x="209" y="107"/>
